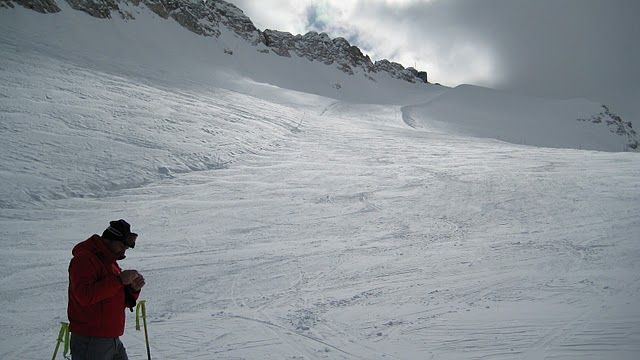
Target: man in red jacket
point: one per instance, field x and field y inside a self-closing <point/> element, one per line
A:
<point x="99" y="292"/>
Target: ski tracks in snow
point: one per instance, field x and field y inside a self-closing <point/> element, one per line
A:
<point x="357" y="237"/>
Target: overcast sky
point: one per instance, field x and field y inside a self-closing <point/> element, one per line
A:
<point x="556" y="48"/>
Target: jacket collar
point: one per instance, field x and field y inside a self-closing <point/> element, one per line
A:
<point x="95" y="245"/>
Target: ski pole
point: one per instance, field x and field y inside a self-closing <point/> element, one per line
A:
<point x="63" y="337"/>
<point x="141" y="308"/>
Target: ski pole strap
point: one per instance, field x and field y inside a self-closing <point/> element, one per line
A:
<point x="63" y="338"/>
<point x="140" y="308"/>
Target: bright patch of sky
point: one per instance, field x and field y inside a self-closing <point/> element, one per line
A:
<point x="571" y="48"/>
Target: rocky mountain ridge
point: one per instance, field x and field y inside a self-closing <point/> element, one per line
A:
<point x="616" y="125"/>
<point x="207" y="17"/>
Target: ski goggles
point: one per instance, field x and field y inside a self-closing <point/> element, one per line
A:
<point x="129" y="239"/>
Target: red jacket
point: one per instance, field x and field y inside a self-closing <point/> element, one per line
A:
<point x="97" y="298"/>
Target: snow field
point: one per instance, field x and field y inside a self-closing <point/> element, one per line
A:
<point x="356" y="239"/>
<point x="332" y="230"/>
<point x="70" y="132"/>
<point x="480" y="112"/>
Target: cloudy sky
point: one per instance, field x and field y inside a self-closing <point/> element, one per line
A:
<point x="556" y="48"/>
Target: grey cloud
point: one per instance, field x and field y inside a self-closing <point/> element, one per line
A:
<point x="556" y="48"/>
<point x="545" y="47"/>
<point x="314" y="22"/>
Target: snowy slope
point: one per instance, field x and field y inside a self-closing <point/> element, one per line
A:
<point x="283" y="223"/>
<point x="74" y="132"/>
<point x="154" y="49"/>
<point x="475" y="111"/>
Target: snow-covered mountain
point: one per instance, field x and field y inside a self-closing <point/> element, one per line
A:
<point x="288" y="209"/>
<point x="208" y="17"/>
<point x="476" y="111"/>
<point x="250" y="51"/>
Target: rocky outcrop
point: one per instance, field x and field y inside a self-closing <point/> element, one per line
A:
<point x="100" y="9"/>
<point x="41" y="6"/>
<point x="201" y="17"/>
<point x="399" y="72"/>
<point x="616" y="125"/>
<point x="205" y="17"/>
<point x="211" y="17"/>
<point x="422" y="75"/>
<point x="318" y="47"/>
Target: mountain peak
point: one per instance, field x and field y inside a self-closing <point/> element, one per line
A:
<point x="207" y="17"/>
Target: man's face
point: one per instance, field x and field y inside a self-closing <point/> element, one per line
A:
<point x="118" y="248"/>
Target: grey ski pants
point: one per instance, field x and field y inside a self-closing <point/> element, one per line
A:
<point x="97" y="348"/>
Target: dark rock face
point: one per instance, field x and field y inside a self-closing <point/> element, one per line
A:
<point x="100" y="9"/>
<point x="201" y="17"/>
<point x="204" y="18"/>
<point x="398" y="71"/>
<point x="616" y="125"/>
<point x="41" y="6"/>
<point x="280" y="42"/>
<point x="208" y="17"/>
<point x="318" y="47"/>
<point x="422" y="75"/>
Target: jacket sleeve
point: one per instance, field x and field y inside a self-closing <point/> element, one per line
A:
<point x="86" y="288"/>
